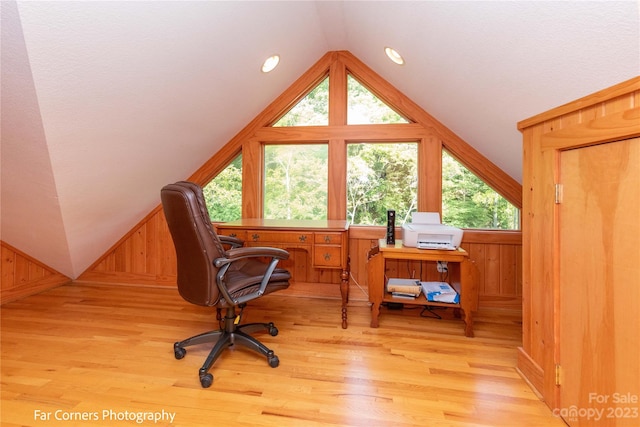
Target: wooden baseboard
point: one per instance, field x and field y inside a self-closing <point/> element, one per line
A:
<point x="500" y="301"/>
<point x="23" y="275"/>
<point x="531" y="372"/>
<point x="19" y="292"/>
<point x="124" y="278"/>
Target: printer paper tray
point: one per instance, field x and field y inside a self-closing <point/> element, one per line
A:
<point x="436" y="247"/>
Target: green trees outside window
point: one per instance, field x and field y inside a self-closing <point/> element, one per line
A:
<point x="223" y="194"/>
<point x="381" y="177"/>
<point x="468" y="202"/>
<point x="295" y="182"/>
<point x="312" y="110"/>
<point x="363" y="107"/>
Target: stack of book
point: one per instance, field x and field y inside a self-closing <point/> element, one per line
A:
<point x="404" y="288"/>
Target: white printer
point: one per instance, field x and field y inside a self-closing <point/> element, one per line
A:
<point x="426" y="232"/>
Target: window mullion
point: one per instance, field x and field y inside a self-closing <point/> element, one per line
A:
<point x="337" y="94"/>
<point x="337" y="180"/>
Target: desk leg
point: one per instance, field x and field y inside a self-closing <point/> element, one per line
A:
<point x="375" y="277"/>
<point x="344" y="292"/>
<point x="469" y="276"/>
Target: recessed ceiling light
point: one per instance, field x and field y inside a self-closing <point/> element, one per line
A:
<point x="270" y="63"/>
<point x="394" y="55"/>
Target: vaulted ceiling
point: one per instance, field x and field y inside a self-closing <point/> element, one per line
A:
<point x="105" y="102"/>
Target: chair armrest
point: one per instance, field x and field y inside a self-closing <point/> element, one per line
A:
<point x="234" y="242"/>
<point x="235" y="254"/>
<point x="276" y="254"/>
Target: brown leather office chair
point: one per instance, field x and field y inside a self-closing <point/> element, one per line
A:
<point x="210" y="275"/>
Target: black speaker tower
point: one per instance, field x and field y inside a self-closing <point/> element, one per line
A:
<point x="391" y="227"/>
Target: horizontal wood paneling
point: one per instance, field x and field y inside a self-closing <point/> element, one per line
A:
<point x="22" y="275"/>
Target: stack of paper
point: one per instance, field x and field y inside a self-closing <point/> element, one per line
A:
<point x="440" y="292"/>
<point x="404" y="287"/>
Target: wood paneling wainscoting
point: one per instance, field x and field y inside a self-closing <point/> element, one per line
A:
<point x="22" y="275"/>
<point x="146" y="257"/>
<point x="497" y="254"/>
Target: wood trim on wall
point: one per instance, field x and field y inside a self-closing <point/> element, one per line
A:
<point x="23" y="275"/>
<point x="581" y="105"/>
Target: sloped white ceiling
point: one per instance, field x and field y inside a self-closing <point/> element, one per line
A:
<point x="105" y="102"/>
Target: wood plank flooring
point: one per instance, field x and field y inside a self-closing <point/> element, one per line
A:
<point x="99" y="355"/>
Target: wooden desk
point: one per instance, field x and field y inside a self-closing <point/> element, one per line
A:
<point x="463" y="277"/>
<point x="327" y="241"/>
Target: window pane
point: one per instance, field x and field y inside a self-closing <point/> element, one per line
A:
<point x="296" y="181"/>
<point x="223" y="194"/>
<point x="312" y="110"/>
<point x="381" y="177"/>
<point x="467" y="202"/>
<point x="363" y="107"/>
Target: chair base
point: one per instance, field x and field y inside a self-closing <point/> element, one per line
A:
<point x="225" y="337"/>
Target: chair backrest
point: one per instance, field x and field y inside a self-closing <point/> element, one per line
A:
<point x="195" y="242"/>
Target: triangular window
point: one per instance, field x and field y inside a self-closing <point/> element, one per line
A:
<point x="468" y="202"/>
<point x="312" y="110"/>
<point x="363" y="107"/>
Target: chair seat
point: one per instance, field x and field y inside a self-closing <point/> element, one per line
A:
<point x="247" y="276"/>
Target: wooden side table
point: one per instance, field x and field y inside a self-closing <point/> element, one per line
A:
<point x="463" y="275"/>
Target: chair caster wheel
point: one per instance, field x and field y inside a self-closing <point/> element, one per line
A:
<point x="273" y="331"/>
<point x="179" y="352"/>
<point x="206" y="380"/>
<point x="273" y="361"/>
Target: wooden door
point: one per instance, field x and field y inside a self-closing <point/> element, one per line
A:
<point x="599" y="281"/>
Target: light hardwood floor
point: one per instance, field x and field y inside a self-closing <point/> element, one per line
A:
<point x="105" y="352"/>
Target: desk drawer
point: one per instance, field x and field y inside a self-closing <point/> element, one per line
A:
<point x="327" y="238"/>
<point x="327" y="256"/>
<point x="240" y="234"/>
<point x="261" y="236"/>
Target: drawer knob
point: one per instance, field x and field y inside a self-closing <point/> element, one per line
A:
<point x="327" y="239"/>
<point x="302" y="238"/>
<point x="327" y="256"/>
<point x="255" y="237"/>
